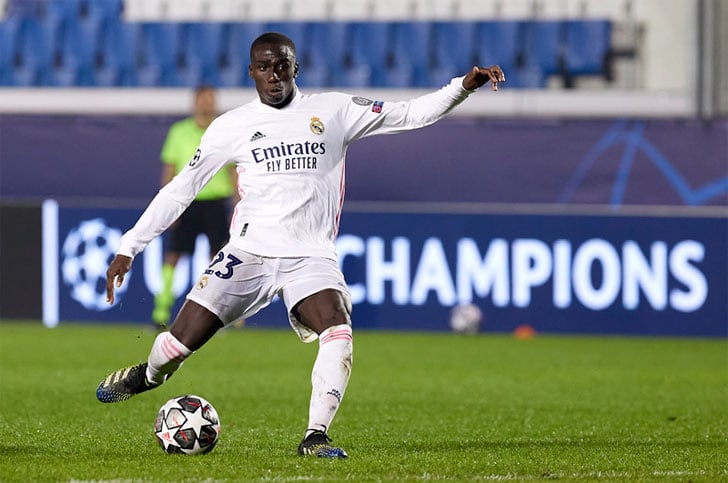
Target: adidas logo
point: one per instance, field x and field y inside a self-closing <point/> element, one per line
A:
<point x="256" y="136"/>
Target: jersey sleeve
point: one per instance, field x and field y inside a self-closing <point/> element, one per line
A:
<point x="364" y="117"/>
<point x="175" y="196"/>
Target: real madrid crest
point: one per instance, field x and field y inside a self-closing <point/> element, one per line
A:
<point x="202" y="283"/>
<point x="317" y="127"/>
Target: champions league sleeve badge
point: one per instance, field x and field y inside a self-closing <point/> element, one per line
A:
<point x="195" y="158"/>
<point x="317" y="127"/>
<point x="363" y="101"/>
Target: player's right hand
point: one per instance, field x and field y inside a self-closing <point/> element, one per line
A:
<point x="118" y="267"/>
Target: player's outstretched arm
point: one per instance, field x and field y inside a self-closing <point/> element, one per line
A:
<point x="478" y="76"/>
<point x="118" y="267"/>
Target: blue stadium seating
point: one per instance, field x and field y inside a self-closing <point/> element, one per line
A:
<point x="8" y="30"/>
<point x="158" y="54"/>
<point x="62" y="11"/>
<point x="587" y="46"/>
<point x="452" y="50"/>
<point x="324" y="54"/>
<point x="365" y="62"/>
<point x="87" y="42"/>
<point x="25" y="8"/>
<point x="502" y="43"/>
<point x="544" y="49"/>
<point x="33" y="57"/>
<point x="408" y="59"/>
<point x="104" y="11"/>
<point x="295" y="30"/>
<point x="76" y="53"/>
<point x="236" y="40"/>
<point x="116" y="58"/>
<point x="200" y="54"/>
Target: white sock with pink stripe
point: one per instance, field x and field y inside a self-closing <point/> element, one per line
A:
<point x="166" y="356"/>
<point x="329" y="377"/>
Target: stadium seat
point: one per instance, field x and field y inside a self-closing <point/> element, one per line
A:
<point x="323" y="54"/>
<point x="365" y="60"/>
<point x="62" y="10"/>
<point x="501" y="42"/>
<point x="408" y="59"/>
<point x="295" y="30"/>
<point x="62" y="13"/>
<point x="158" y="54"/>
<point x="25" y="8"/>
<point x="544" y="56"/>
<point x="8" y="32"/>
<point x="33" y="62"/>
<point x="105" y="11"/>
<point x="87" y="42"/>
<point x="587" y="46"/>
<point x="236" y="39"/>
<point x="452" y="50"/>
<point x="201" y="54"/>
<point x="76" y="54"/>
<point x="116" y="60"/>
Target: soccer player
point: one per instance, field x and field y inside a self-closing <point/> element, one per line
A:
<point x="289" y="149"/>
<point x="208" y="214"/>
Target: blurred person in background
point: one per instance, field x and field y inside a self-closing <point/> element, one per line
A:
<point x="290" y="151"/>
<point x="209" y="213"/>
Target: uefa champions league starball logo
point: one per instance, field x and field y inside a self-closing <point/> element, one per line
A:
<point x="87" y="252"/>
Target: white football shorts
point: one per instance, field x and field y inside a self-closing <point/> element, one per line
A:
<point x="238" y="284"/>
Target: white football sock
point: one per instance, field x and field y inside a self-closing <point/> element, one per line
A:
<point x="166" y="356"/>
<point x="329" y="377"/>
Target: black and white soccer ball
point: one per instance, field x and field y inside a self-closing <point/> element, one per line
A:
<point x="466" y="319"/>
<point x="187" y="424"/>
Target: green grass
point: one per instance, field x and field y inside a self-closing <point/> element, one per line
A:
<point x="419" y="407"/>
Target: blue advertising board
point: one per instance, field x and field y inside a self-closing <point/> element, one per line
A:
<point x="598" y="274"/>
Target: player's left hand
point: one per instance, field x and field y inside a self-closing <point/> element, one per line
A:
<point x="118" y="267"/>
<point x="478" y="76"/>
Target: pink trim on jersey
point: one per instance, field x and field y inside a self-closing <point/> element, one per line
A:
<point x="241" y="192"/>
<point x="342" y="190"/>
<point x="341" y="334"/>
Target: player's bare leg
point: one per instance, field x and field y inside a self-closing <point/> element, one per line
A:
<point x="326" y="313"/>
<point x="193" y="327"/>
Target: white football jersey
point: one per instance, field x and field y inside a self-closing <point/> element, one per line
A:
<point x="291" y="170"/>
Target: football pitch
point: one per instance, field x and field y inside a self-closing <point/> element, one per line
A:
<point x="419" y="407"/>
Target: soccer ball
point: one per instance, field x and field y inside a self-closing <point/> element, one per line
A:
<point x="465" y="319"/>
<point x="187" y="424"/>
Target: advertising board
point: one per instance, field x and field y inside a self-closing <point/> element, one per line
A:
<point x="605" y="274"/>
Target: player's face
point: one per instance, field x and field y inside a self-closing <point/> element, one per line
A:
<point x="273" y="68"/>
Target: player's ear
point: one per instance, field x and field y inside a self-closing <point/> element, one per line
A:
<point x="295" y="70"/>
<point x="250" y="70"/>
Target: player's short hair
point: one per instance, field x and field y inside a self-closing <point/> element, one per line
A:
<point x="275" y="38"/>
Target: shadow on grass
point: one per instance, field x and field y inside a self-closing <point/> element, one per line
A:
<point x="24" y="450"/>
